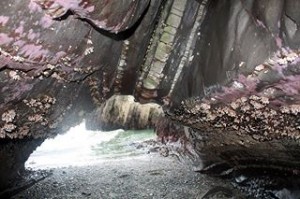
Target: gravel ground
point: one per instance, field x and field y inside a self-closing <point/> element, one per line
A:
<point x="145" y="176"/>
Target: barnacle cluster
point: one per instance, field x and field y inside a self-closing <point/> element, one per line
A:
<point x="251" y="115"/>
<point x="14" y="75"/>
<point x="8" y="116"/>
<point x="95" y="91"/>
<point x="249" y="105"/>
<point x="39" y="108"/>
<point x="12" y="57"/>
<point x="8" y="127"/>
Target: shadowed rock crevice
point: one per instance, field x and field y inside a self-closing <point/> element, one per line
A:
<point x="13" y="156"/>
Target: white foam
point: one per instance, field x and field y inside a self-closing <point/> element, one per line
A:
<point x="74" y="148"/>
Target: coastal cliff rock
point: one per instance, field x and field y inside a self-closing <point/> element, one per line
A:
<point x="248" y="112"/>
<point x="227" y="71"/>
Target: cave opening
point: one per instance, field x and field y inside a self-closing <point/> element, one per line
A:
<point x="81" y="147"/>
<point x="85" y="163"/>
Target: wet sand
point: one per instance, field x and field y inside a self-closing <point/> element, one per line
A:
<point x="144" y="176"/>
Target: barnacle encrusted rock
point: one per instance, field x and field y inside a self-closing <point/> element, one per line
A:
<point x="255" y="111"/>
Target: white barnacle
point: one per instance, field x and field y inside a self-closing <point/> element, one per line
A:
<point x="205" y="106"/>
<point x="46" y="73"/>
<point x="256" y="104"/>
<point x="14" y="75"/>
<point x="6" y="54"/>
<point x="8" y="116"/>
<point x="229" y="112"/>
<point x="235" y="105"/>
<point x="242" y="64"/>
<point x="50" y="66"/>
<point x="243" y="99"/>
<point x="18" y="59"/>
<point x="269" y="92"/>
<point x="295" y="109"/>
<point x="122" y="62"/>
<point x="32" y="103"/>
<point x="126" y="42"/>
<point x="264" y="100"/>
<point x="77" y="69"/>
<point x="50" y="100"/>
<point x="56" y="76"/>
<point x="271" y="62"/>
<point x="238" y="85"/>
<point x="245" y="108"/>
<point x="90" y="42"/>
<point x="291" y="57"/>
<point x="254" y="97"/>
<point x="47" y="106"/>
<point x="282" y="61"/>
<point x="210" y="117"/>
<point x="89" y="50"/>
<point x="9" y="127"/>
<point x="213" y="99"/>
<point x="260" y="67"/>
<point x="273" y="113"/>
<point x="284" y="109"/>
<point x="35" y="118"/>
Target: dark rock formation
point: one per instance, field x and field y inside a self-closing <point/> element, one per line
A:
<point x="13" y="154"/>
<point x="229" y="70"/>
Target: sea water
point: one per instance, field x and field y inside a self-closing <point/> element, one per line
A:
<point x="81" y="147"/>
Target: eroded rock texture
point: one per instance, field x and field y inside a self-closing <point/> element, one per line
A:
<point x="121" y="111"/>
<point x="47" y="63"/>
<point x="251" y="116"/>
<point x="229" y="70"/>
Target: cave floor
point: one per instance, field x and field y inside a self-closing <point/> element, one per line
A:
<point x="143" y="176"/>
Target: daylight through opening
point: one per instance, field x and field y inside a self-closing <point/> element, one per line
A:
<point x="81" y="147"/>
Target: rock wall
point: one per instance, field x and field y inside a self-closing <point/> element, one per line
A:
<point x="247" y="113"/>
<point x="13" y="155"/>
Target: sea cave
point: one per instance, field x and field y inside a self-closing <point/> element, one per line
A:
<point x="209" y="88"/>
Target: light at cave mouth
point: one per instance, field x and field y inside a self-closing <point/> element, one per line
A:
<point x="80" y="147"/>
